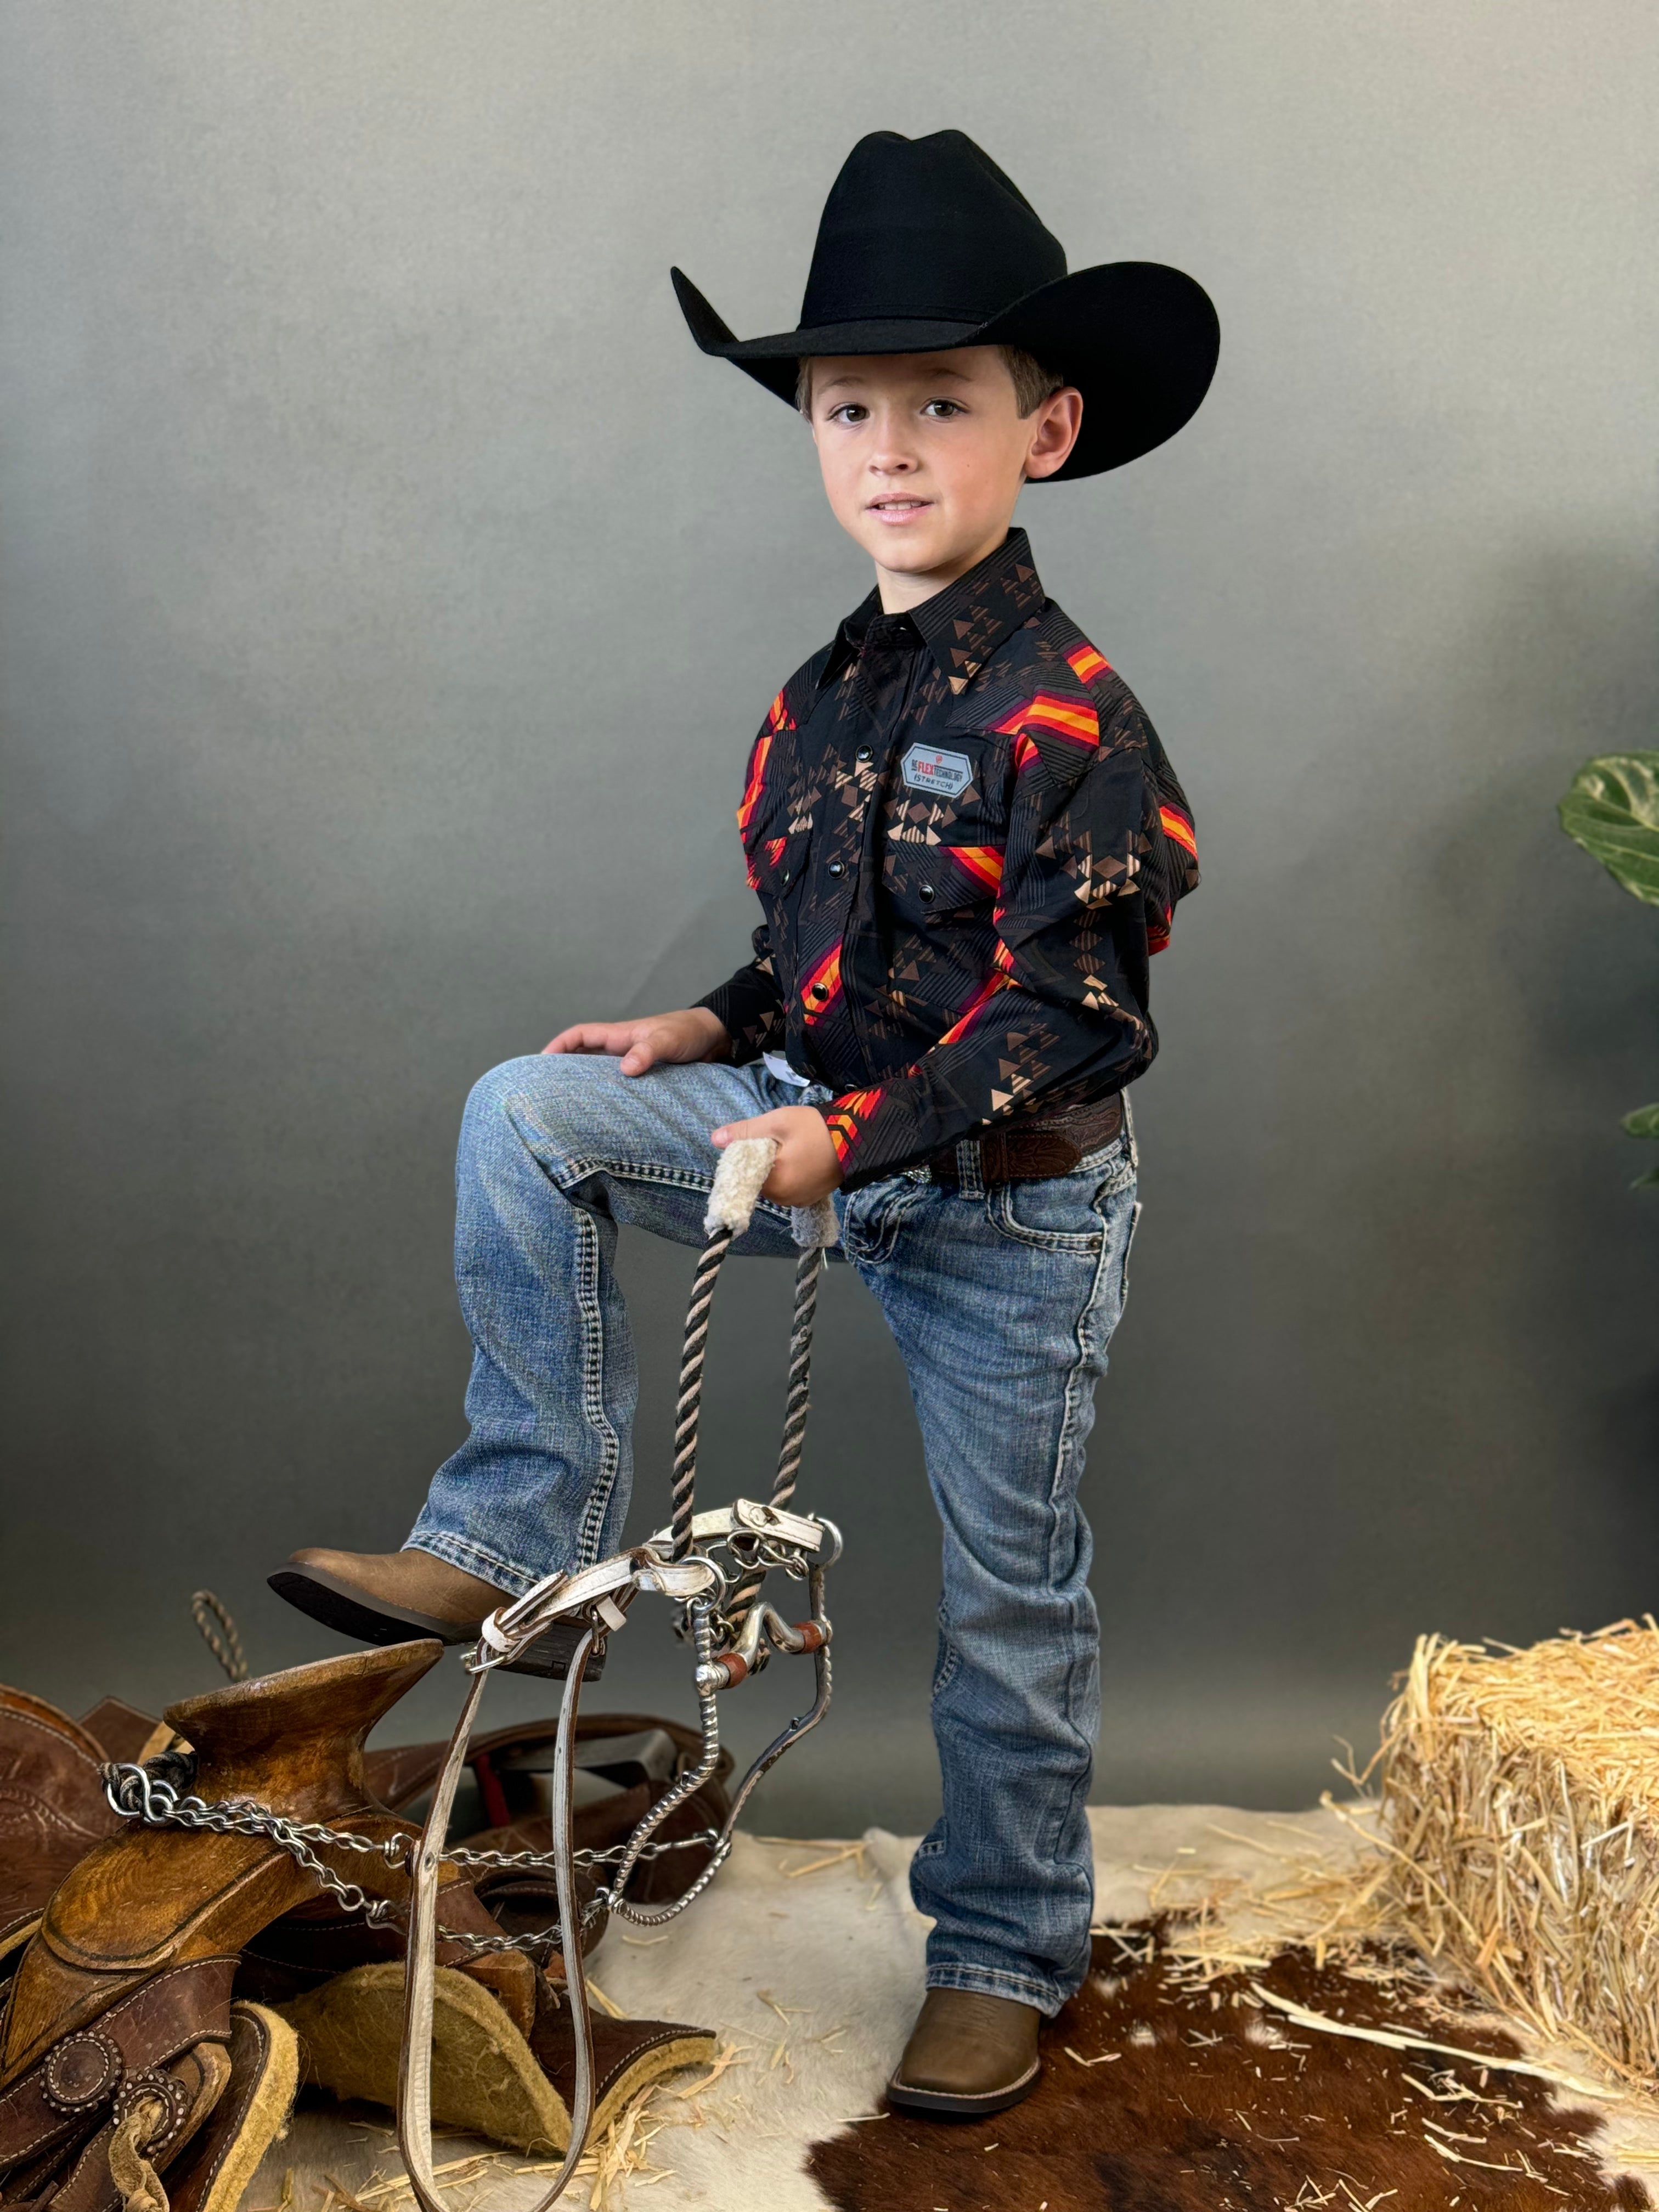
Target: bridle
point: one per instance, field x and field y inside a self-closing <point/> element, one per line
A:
<point x="713" y="1566"/>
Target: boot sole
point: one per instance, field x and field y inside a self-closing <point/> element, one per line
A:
<point x="351" y="1612"/>
<point x="948" y="2104"/>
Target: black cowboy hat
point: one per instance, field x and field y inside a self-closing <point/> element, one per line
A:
<point x="925" y="245"/>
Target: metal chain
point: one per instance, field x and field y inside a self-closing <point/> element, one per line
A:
<point x="628" y="1855"/>
<point x="136" y="1794"/>
<point x="537" y="1939"/>
<point x="609" y="1857"/>
<point x="684" y="1786"/>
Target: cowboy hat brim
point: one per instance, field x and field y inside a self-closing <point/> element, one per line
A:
<point x="1139" y="341"/>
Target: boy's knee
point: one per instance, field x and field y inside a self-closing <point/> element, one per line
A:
<point x="540" y="1099"/>
<point x="515" y="1103"/>
<point x="495" y="1096"/>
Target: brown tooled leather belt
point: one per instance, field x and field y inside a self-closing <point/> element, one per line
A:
<point x="1035" y="1147"/>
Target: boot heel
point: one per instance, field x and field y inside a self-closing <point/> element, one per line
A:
<point x="549" y="1656"/>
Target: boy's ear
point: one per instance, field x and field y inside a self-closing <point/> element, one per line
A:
<point x="1058" y="423"/>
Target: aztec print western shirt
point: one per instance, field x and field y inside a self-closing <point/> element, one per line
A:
<point x="967" y="842"/>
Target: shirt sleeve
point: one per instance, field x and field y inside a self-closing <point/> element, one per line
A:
<point x="1097" y="854"/>
<point x="751" y="1004"/>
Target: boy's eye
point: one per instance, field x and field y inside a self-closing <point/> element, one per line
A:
<point x="848" y="411"/>
<point x="942" y="409"/>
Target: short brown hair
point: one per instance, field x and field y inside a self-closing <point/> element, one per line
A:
<point x="1032" y="382"/>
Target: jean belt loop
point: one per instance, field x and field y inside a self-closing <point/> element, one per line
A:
<point x="1129" y="1132"/>
<point x="969" y="1179"/>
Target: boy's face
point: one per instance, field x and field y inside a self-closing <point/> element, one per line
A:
<point x="923" y="455"/>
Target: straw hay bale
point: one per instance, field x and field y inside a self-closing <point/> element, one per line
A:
<point x="1520" y="1800"/>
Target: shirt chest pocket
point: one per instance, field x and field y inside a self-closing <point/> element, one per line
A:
<point x="777" y="861"/>
<point x="945" y="829"/>
<point x="948" y="881"/>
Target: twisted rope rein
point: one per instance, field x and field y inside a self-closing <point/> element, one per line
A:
<point x="689" y="1405"/>
<point x="808" y="1268"/>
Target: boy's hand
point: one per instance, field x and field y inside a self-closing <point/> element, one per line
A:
<point x="807" y="1167"/>
<point x="692" y="1033"/>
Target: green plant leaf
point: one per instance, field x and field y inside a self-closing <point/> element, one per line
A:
<point x="1647" y="1182"/>
<point x="1613" y="811"/>
<point x="1643" y="1123"/>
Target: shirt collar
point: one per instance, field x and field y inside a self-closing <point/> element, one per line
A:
<point x="963" y="625"/>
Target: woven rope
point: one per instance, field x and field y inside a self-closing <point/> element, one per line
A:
<point x="808" y="1268"/>
<point x="689" y="1405"/>
<point x="206" y="1610"/>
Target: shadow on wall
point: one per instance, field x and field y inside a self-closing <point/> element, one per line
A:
<point x="1390" y="1363"/>
<point x="1520" y="1086"/>
<point x="1507" y="1272"/>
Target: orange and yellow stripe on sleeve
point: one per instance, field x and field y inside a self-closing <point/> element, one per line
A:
<point x="982" y="862"/>
<point x="1074" y="720"/>
<point x="756" y="783"/>
<point x="1085" y="664"/>
<point x="842" y="1116"/>
<point x="1179" y="826"/>
<point x="778" y="715"/>
<point x="975" y="1006"/>
<point x="822" y="988"/>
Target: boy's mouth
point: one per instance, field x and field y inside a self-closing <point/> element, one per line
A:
<point x="898" y="508"/>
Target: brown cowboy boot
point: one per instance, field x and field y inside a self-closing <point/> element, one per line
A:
<point x="391" y="1597"/>
<point x="968" y="2056"/>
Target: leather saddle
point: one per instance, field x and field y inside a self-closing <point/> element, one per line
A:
<point x="142" y="1968"/>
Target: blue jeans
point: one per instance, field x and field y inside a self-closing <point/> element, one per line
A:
<point x="1002" y="1303"/>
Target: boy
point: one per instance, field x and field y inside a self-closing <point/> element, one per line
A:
<point x="967" y="842"/>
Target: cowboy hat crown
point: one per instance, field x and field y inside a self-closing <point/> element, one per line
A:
<point x="925" y="245"/>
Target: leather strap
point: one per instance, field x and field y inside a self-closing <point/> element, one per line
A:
<point x="186" y="2091"/>
<point x="80" y="2076"/>
<point x="1035" y="1146"/>
<point x="421" y="1956"/>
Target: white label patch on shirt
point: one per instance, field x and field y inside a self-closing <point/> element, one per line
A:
<point x="925" y="769"/>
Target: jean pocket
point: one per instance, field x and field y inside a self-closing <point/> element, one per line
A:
<point x="1128" y="1246"/>
<point x="1112" y="1168"/>
<point x="870" y="1218"/>
<point x="1059" y="1214"/>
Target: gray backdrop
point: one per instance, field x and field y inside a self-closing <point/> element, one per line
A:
<point x="370" y="525"/>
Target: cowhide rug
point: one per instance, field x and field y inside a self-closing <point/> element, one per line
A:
<point x="1225" y="2106"/>
<point x="1171" y="2085"/>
